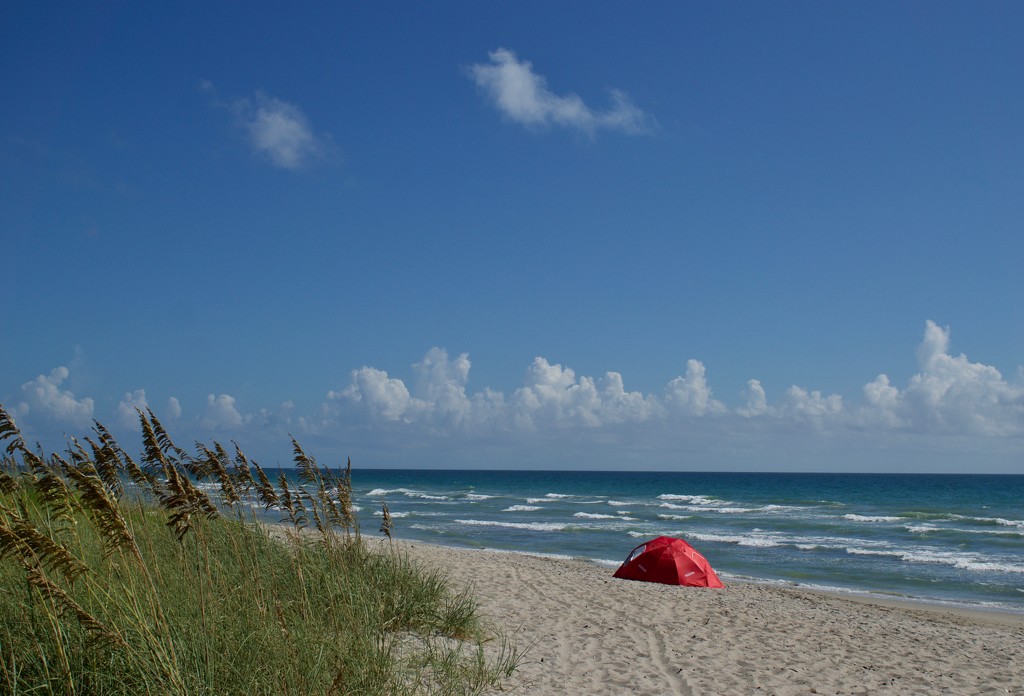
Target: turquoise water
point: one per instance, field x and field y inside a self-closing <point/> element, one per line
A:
<point x="939" y="538"/>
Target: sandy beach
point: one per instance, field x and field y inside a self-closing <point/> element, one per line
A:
<point x="585" y="632"/>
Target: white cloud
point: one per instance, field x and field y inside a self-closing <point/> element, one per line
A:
<point x="522" y="96"/>
<point x="691" y="395"/>
<point x="950" y="395"/>
<point x="280" y="131"/>
<point x="620" y="406"/>
<point x="553" y="396"/>
<point x="276" y="129"/>
<point x="44" y="394"/>
<point x="488" y="409"/>
<point x="129" y="417"/>
<point x="378" y="396"/>
<point x="757" y="400"/>
<point x="885" y="402"/>
<point x="802" y="406"/>
<point x="934" y="346"/>
<point x="222" y="414"/>
<point x="441" y="383"/>
<point x="953" y="395"/>
<point x="438" y="398"/>
<point x="126" y="409"/>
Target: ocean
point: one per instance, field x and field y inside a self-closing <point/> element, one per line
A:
<point x="948" y="539"/>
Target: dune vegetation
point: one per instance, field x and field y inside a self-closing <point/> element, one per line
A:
<point x="157" y="576"/>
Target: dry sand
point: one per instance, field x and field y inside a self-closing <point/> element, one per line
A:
<point x="585" y="632"/>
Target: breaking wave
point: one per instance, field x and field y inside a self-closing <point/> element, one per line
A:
<point x="872" y="518"/>
<point x="531" y="526"/>
<point x="961" y="561"/>
<point x="407" y="492"/>
<point x="694" y="499"/>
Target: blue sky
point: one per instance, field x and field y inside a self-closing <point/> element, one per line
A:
<point x="678" y="236"/>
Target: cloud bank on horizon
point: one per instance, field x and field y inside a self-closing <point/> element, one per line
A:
<point x="949" y="395"/>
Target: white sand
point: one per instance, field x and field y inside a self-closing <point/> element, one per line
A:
<point x="585" y="632"/>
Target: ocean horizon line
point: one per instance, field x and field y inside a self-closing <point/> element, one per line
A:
<point x="773" y="472"/>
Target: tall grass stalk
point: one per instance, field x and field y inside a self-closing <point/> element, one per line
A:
<point x="121" y="578"/>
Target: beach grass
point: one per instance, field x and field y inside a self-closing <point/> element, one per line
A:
<point x="121" y="576"/>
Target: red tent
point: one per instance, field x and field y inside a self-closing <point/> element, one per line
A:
<point x="669" y="561"/>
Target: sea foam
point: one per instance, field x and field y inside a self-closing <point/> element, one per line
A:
<point x="407" y="492"/>
<point x="532" y="526"/>
<point x="871" y="518"/>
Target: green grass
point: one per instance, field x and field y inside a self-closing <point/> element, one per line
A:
<point x="156" y="592"/>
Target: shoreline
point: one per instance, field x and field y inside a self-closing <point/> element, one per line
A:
<point x="584" y="631"/>
<point x="1005" y="615"/>
<point x="996" y="615"/>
